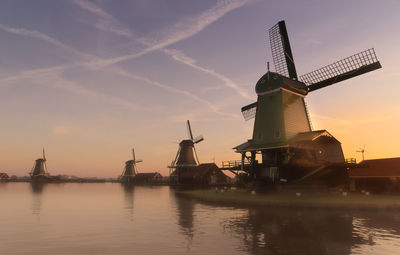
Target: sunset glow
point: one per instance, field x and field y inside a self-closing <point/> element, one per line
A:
<point x="89" y="80"/>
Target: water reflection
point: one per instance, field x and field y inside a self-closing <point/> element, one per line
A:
<point x="37" y="190"/>
<point x="129" y="197"/>
<point x="288" y="231"/>
<point x="185" y="209"/>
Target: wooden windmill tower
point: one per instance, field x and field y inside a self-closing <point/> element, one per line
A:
<point x="130" y="169"/>
<point x="186" y="157"/>
<point x="39" y="170"/>
<point x="282" y="131"/>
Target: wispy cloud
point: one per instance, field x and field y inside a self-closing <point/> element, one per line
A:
<point x="180" y="31"/>
<point x="60" y="130"/>
<point x="43" y="37"/>
<point x="106" y="21"/>
<point x="182" y="58"/>
<point x="185" y="93"/>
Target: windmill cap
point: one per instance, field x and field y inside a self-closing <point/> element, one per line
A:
<point x="272" y="81"/>
<point x="186" y="143"/>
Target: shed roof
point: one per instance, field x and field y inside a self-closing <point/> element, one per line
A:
<point x="311" y="136"/>
<point x="200" y="171"/>
<point x="377" y="168"/>
<point x="300" y="137"/>
<point x="145" y="176"/>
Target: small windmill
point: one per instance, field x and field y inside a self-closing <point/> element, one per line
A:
<point x="186" y="156"/>
<point x="281" y="115"/>
<point x="39" y="169"/>
<point x="362" y="150"/>
<point x="130" y="169"/>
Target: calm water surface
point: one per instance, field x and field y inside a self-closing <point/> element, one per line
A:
<point x="115" y="219"/>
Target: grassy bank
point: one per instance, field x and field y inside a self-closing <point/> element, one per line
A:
<point x="291" y="199"/>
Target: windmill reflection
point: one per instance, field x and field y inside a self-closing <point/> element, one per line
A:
<point x="185" y="209"/>
<point x="37" y="189"/>
<point x="129" y="189"/>
<point x="286" y="231"/>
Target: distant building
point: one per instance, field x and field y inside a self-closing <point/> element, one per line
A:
<point x="148" y="178"/>
<point x="208" y="173"/>
<point x="4" y="176"/>
<point x="377" y="175"/>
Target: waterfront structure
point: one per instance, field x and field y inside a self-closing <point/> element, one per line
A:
<point x="4" y="176"/>
<point x="130" y="169"/>
<point x="39" y="171"/>
<point x="148" y="178"/>
<point x="378" y="175"/>
<point x="282" y="135"/>
<point x="205" y="174"/>
<point x="186" y="158"/>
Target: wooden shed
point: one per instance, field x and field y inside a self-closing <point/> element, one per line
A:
<point x="379" y="175"/>
<point x="4" y="176"/>
<point x="206" y="174"/>
<point x="148" y="178"/>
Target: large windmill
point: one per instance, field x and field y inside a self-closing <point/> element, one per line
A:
<point x="186" y="157"/>
<point x="282" y="131"/>
<point x="130" y="169"/>
<point x="39" y="170"/>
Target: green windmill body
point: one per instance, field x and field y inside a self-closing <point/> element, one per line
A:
<point x="281" y="112"/>
<point x="282" y="132"/>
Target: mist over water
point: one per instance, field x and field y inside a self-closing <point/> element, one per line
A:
<point x="104" y="218"/>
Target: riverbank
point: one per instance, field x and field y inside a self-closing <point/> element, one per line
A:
<point x="240" y="197"/>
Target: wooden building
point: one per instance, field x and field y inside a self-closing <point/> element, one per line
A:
<point x="4" y="176"/>
<point x="314" y="156"/>
<point x="148" y="178"/>
<point x="205" y="174"/>
<point x="378" y="175"/>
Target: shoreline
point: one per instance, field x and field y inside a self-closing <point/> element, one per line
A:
<point x="322" y="200"/>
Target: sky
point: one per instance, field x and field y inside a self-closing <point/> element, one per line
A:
<point x="89" y="80"/>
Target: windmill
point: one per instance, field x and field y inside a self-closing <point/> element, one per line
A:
<point x="281" y="115"/>
<point x="362" y="150"/>
<point x="130" y="169"/>
<point x="186" y="156"/>
<point x="39" y="169"/>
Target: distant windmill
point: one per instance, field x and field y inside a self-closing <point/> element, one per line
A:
<point x="130" y="169"/>
<point x="362" y="150"/>
<point x="39" y="169"/>
<point x="186" y="157"/>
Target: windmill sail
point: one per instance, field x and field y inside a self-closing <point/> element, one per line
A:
<point x="281" y="51"/>
<point x="189" y="130"/>
<point x="360" y="63"/>
<point x="130" y="169"/>
<point x="40" y="167"/>
<point x="249" y="111"/>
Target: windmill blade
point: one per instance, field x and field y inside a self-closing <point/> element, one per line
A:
<point x="45" y="168"/>
<point x="360" y="63"/>
<point x="44" y="156"/>
<point x="281" y="51"/>
<point x="189" y="130"/>
<point x="249" y="111"/>
<point x="138" y="161"/>
<point x="198" y="139"/>
<point x="133" y="154"/>
<point x="195" y="154"/>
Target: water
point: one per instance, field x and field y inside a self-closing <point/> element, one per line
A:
<point x="115" y="219"/>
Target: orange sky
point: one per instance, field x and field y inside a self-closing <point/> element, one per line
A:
<point x="117" y="76"/>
